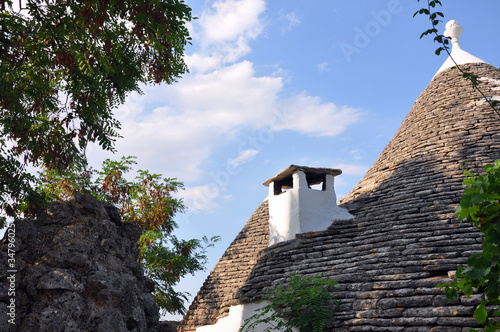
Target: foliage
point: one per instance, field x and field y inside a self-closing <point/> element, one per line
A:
<point x="148" y="203"/>
<point x="306" y="303"/>
<point x="15" y="183"/>
<point x="480" y="205"/>
<point x="434" y="19"/>
<point x="64" y="66"/>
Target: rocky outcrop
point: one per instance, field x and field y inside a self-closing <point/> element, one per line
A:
<point x="75" y="269"/>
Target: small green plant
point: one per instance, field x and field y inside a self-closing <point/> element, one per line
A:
<point x="480" y="205"/>
<point x="304" y="303"/>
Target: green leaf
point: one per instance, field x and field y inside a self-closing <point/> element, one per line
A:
<point x="439" y="50"/>
<point x="476" y="198"/>
<point x="480" y="313"/>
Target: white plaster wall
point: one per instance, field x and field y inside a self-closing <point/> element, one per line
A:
<point x="318" y="209"/>
<point x="283" y="216"/>
<point x="237" y="316"/>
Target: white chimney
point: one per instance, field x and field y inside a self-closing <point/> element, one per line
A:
<point x="302" y="200"/>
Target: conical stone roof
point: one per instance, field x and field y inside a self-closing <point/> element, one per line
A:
<point x="231" y="273"/>
<point x="404" y="239"/>
<point x="449" y="127"/>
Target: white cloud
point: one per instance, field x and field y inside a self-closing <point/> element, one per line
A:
<point x="201" y="63"/>
<point x="200" y="198"/>
<point x="290" y="21"/>
<point x="202" y="111"/>
<point x="229" y="97"/>
<point x="227" y="29"/>
<point x="323" y="67"/>
<point x="243" y="157"/>
<point x="356" y="154"/>
<point x="352" y="169"/>
<point x="199" y="113"/>
<point x="164" y="143"/>
<point x="308" y="115"/>
<point x="173" y="130"/>
<point x="231" y="19"/>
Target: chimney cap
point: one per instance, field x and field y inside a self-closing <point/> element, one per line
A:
<point x="311" y="173"/>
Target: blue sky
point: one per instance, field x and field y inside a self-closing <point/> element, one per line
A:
<point x="272" y="83"/>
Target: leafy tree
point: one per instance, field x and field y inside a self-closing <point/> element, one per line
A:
<point x="479" y="205"/>
<point x="147" y="202"/>
<point x="64" y="66"/>
<point x="305" y="303"/>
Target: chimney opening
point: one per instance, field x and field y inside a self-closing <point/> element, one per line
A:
<point x="314" y="182"/>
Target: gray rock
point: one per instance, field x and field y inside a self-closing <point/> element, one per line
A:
<point x="59" y="279"/>
<point x="113" y="213"/>
<point x="77" y="270"/>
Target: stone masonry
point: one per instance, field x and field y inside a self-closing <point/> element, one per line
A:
<point x="405" y="238"/>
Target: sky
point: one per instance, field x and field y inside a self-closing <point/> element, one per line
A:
<point x="272" y="83"/>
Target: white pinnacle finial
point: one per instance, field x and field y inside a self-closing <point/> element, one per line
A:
<point x="453" y="31"/>
<point x="459" y="56"/>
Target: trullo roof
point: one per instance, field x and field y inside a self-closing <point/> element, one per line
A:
<point x="404" y="239"/>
